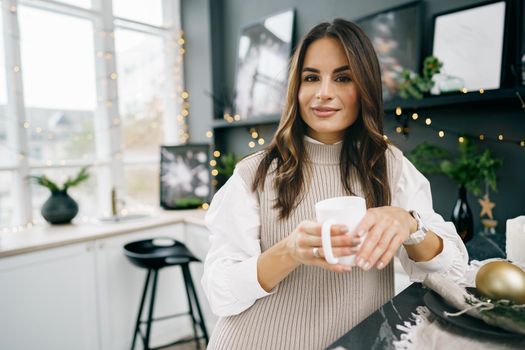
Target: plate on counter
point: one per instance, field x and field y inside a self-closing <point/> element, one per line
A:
<point x="437" y="305"/>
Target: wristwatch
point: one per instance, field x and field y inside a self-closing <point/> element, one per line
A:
<point x="418" y="236"/>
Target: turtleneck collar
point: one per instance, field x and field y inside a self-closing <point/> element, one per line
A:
<point x="321" y="153"/>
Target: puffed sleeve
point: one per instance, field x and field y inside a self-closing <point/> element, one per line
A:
<point x="413" y="192"/>
<point x="230" y="268"/>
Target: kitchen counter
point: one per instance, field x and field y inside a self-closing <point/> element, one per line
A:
<point x="378" y="331"/>
<point x="44" y="236"/>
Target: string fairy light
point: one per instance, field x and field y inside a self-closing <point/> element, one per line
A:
<point x="115" y="121"/>
<point x="441" y="132"/>
<point x="255" y="135"/>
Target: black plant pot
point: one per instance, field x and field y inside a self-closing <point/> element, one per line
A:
<point x="60" y="208"/>
<point x="462" y="216"/>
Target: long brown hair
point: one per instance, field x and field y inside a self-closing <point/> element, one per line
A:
<point x="363" y="144"/>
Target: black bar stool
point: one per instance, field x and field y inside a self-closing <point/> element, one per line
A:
<point x="153" y="255"/>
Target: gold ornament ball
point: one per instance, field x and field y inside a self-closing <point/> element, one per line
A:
<point x="501" y="280"/>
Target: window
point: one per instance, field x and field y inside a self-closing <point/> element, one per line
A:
<point x="141" y="71"/>
<point x="140" y="67"/>
<point x="145" y="11"/>
<point x="79" y="3"/>
<point x="57" y="56"/>
<point x="4" y="154"/>
<point x="141" y="184"/>
<point x="6" y="203"/>
<point x="59" y="85"/>
<point x="74" y="63"/>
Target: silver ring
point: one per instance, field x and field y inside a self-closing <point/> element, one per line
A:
<point x="315" y="252"/>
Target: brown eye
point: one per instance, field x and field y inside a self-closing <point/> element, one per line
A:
<point x="343" y="79"/>
<point x="310" y="78"/>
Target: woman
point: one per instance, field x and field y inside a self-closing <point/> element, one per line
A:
<point x="265" y="273"/>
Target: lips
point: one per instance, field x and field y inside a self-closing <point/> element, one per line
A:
<point x="324" y="111"/>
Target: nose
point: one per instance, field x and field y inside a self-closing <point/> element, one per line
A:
<point x="325" y="91"/>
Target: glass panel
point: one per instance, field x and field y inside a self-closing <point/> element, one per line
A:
<point x="59" y="85"/>
<point x="140" y="68"/>
<point x="141" y="187"/>
<point x="85" y="194"/>
<point x="146" y="11"/>
<point x="5" y="154"/>
<point x="3" y="86"/>
<point x="6" y="200"/>
<point x="80" y="3"/>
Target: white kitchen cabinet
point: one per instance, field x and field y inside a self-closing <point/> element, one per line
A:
<point x="48" y="300"/>
<point x="197" y="240"/>
<point x="86" y="296"/>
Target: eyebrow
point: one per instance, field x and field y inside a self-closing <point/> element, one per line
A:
<point x="337" y="70"/>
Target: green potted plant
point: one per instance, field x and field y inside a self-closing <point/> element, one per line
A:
<point x="226" y="166"/>
<point x="470" y="170"/>
<point x="60" y="208"/>
<point x="415" y="85"/>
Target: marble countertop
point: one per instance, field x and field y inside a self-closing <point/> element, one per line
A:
<point x="45" y="236"/>
<point x="379" y="330"/>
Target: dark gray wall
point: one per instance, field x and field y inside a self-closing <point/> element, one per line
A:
<point x="227" y="17"/>
<point x="198" y="66"/>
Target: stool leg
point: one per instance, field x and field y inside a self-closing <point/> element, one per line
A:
<point x="197" y="305"/>
<point x="150" y="311"/>
<point x="137" y="324"/>
<point x="190" y="304"/>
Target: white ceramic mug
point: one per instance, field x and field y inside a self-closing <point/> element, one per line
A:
<point x="349" y="211"/>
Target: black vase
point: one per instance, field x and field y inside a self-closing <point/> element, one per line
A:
<point x="462" y="216"/>
<point x="60" y="208"/>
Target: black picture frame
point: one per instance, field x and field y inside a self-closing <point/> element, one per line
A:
<point x="454" y="48"/>
<point x="262" y="65"/>
<point x="396" y="34"/>
<point x="185" y="178"/>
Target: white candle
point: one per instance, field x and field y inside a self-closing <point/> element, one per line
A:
<point x="516" y="239"/>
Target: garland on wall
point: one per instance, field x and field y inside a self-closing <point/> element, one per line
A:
<point x="405" y="118"/>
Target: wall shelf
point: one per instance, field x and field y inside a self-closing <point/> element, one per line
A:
<point x="431" y="102"/>
<point x="457" y="99"/>
<point x="265" y="119"/>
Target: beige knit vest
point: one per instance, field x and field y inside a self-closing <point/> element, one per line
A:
<point x="312" y="307"/>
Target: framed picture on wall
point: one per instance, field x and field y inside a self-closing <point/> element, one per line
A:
<point x="396" y="36"/>
<point x="185" y="179"/>
<point x="470" y="44"/>
<point x="262" y="66"/>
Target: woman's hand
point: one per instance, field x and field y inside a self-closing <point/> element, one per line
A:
<point x="307" y="236"/>
<point x="388" y="228"/>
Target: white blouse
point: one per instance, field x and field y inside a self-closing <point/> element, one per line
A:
<point x="230" y="269"/>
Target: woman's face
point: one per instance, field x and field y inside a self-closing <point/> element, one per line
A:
<point x="328" y="97"/>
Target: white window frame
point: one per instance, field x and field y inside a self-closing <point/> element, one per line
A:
<point x="109" y="162"/>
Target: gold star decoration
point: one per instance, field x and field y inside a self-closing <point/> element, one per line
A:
<point x="486" y="206"/>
